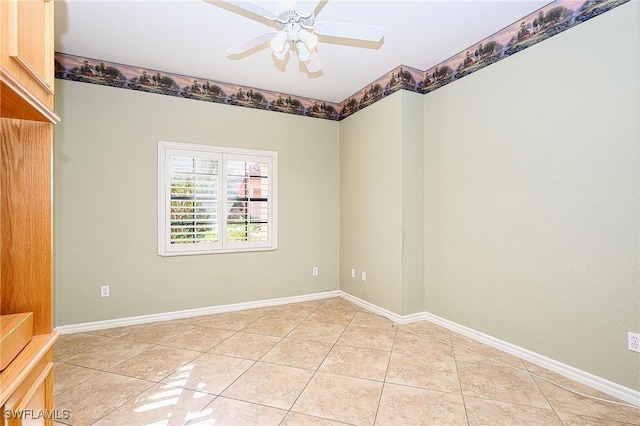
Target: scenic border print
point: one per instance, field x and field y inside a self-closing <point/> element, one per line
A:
<point x="94" y="71"/>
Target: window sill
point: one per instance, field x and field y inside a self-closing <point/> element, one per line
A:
<point x="209" y="252"/>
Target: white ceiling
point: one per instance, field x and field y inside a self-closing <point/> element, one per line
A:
<point x="190" y="37"/>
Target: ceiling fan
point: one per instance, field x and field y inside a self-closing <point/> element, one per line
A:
<point x="298" y="30"/>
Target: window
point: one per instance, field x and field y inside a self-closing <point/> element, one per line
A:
<point x="214" y="199"/>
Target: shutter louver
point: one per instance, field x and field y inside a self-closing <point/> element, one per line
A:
<point x="194" y="200"/>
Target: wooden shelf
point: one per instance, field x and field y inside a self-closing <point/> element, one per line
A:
<point x="17" y="102"/>
<point x="15" y="333"/>
<point x="26" y="361"/>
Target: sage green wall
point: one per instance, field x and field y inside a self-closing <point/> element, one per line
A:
<point x="531" y="198"/>
<point x="381" y="220"/>
<point x="412" y="203"/>
<point x="371" y="203"/>
<point x="106" y="205"/>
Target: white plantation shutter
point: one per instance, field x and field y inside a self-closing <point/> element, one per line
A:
<point x="215" y="199"/>
<point x="248" y="200"/>
<point x="194" y="205"/>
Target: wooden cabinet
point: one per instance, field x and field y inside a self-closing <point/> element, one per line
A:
<point x="25" y="264"/>
<point x="26" y="59"/>
<point x="26" y="148"/>
<point x="27" y="385"/>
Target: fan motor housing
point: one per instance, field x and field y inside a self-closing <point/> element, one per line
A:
<point x="291" y="16"/>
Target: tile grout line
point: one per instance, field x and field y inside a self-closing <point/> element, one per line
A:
<point x="219" y="395"/>
<point x="126" y="402"/>
<point x="386" y="371"/>
<point x="254" y="361"/>
<point x="317" y="369"/>
<point x="159" y="382"/>
<point x="541" y="391"/>
<point x="153" y="383"/>
<point x="216" y="396"/>
<point x="455" y="359"/>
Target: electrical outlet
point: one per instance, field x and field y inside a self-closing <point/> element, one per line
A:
<point x="364" y="276"/>
<point x="104" y="291"/>
<point x="314" y="271"/>
<point x="634" y="342"/>
<point x="353" y="272"/>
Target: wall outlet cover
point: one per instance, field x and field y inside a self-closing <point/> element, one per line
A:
<point x="634" y="342"/>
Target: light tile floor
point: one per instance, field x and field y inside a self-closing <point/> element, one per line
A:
<point x="325" y="362"/>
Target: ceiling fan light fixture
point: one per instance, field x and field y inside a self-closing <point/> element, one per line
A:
<point x="280" y="42"/>
<point x="283" y="54"/>
<point x="303" y="52"/>
<point x="308" y="38"/>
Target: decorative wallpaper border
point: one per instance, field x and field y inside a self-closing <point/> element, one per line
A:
<point x="552" y="19"/>
<point x="546" y="22"/>
<point x="401" y="77"/>
<point x="95" y="71"/>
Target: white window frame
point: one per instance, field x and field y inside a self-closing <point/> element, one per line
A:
<point x="222" y="154"/>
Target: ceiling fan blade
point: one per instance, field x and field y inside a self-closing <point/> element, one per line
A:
<point x="250" y="7"/>
<point x="251" y="43"/>
<point x="354" y="31"/>
<point x="306" y="8"/>
<point x="314" y="64"/>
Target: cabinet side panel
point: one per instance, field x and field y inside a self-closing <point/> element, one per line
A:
<point x="25" y="203"/>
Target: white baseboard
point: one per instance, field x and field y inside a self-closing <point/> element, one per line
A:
<point x="399" y="319"/>
<point x="188" y="313"/>
<point x="610" y="388"/>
